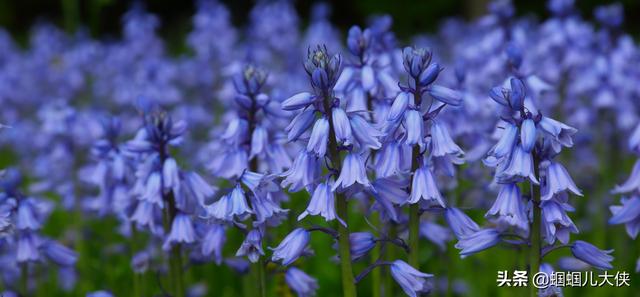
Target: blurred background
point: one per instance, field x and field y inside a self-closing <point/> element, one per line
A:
<point x="102" y="17"/>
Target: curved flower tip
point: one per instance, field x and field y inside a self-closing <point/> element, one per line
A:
<point x="291" y="247"/>
<point x="322" y="203"/>
<point x="590" y="254"/>
<point x="298" y="101"/>
<point x="251" y="246"/>
<point x="629" y="214"/>
<point x="478" y="241"/>
<point x="300" y="282"/>
<point x="461" y="224"/>
<point x="412" y="281"/>
<point x="445" y="95"/>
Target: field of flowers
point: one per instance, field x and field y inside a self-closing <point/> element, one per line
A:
<point x="291" y="159"/>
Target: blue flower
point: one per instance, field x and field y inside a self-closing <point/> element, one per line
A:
<point x="353" y="171"/>
<point x="319" y="137"/>
<point x="592" y="255"/>
<point x="27" y="248"/>
<point x="388" y="162"/>
<point x="528" y="135"/>
<point x="461" y="224"/>
<point x="291" y="247"/>
<point x="632" y="183"/>
<point x="361" y="243"/>
<point x="341" y="126"/>
<point x="182" y="232"/>
<point x="445" y="95"/>
<point x="365" y="134"/>
<point x="478" y="241"/>
<point x="230" y="206"/>
<point x="556" y="223"/>
<point x="412" y="281"/>
<point x="506" y="143"/>
<point x="424" y="188"/>
<point x="265" y="209"/>
<point x="520" y="165"/>
<point x="508" y="209"/>
<point x="140" y="262"/>
<point x="298" y="101"/>
<point x="629" y="214"/>
<point x="557" y="181"/>
<point x="557" y="132"/>
<point x="399" y="106"/>
<point x="322" y="203"/>
<point x="59" y="254"/>
<point x="414" y="126"/>
<point x="251" y="246"/>
<point x="300" y="124"/>
<point x="435" y="233"/>
<point x="213" y="242"/>
<point x="300" y="282"/>
<point x="441" y="142"/>
<point x="305" y="171"/>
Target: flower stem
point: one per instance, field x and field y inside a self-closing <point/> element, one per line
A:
<point x="176" y="281"/>
<point x="342" y="210"/>
<point x="24" y="284"/>
<point x="376" y="276"/>
<point x="535" y="249"/>
<point x="414" y="218"/>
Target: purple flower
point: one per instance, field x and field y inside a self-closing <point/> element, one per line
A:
<point x="319" y="137"/>
<point x="445" y="95"/>
<point x="506" y="143"/>
<point x="298" y="101"/>
<point x="461" y="224"/>
<point x="557" y="181"/>
<point x="592" y="255"/>
<point x="341" y="126"/>
<point x="400" y="104"/>
<point x="300" y="124"/>
<point x="27" y="248"/>
<point x="353" y="171"/>
<point x="365" y="134"/>
<point x="140" y="262"/>
<point x="632" y="183"/>
<point x="291" y="247"/>
<point x="508" y="209"/>
<point x="322" y="203"/>
<point x="629" y="214"/>
<point x="520" y="165"/>
<point x="388" y="162"/>
<point x="556" y="223"/>
<point x="300" y="282"/>
<point x="478" y="241"/>
<point x="59" y="254"/>
<point x="558" y="132"/>
<point x="230" y="206"/>
<point x="441" y="142"/>
<point x="251" y="246"/>
<point x="414" y="126"/>
<point x="424" y="188"/>
<point x="528" y="135"/>
<point x="182" y="232"/>
<point x="213" y="242"/>
<point x="412" y="281"/>
<point x="361" y="243"/>
<point x="304" y="172"/>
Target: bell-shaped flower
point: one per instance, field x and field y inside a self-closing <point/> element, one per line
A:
<point x="319" y="137"/>
<point x="291" y="247"/>
<point x="341" y="126"/>
<point x="424" y="188"/>
<point x="478" y="241"/>
<point x="629" y="214"/>
<point x="441" y="142"/>
<point x="182" y="232"/>
<point x="322" y="203"/>
<point x="590" y="254"/>
<point x="558" y="180"/>
<point x="528" y="135"/>
<point x="301" y="283"/>
<point x="412" y="281"/>
<point x="251" y="246"/>
<point x="461" y="224"/>
<point x="353" y="171"/>
<point x="508" y="210"/>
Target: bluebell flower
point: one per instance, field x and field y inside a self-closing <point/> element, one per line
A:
<point x="412" y="281"/>
<point x="341" y="126"/>
<point x="520" y="165"/>
<point x="592" y="255"/>
<point x="628" y="213"/>
<point x="353" y="171"/>
<point x="508" y="209"/>
<point x="557" y="181"/>
<point x="445" y="95"/>
<point x="300" y="124"/>
<point x="424" y="188"/>
<point x="414" y="126"/>
<point x="441" y="142"/>
<point x="182" y="231"/>
<point x="364" y="133"/>
<point x="144" y="214"/>
<point x="322" y="203"/>
<point x="305" y="171"/>
<point x="517" y="95"/>
<point x="265" y="209"/>
<point x="556" y="224"/>
<point x="27" y="248"/>
<point x="478" y="241"/>
<point x="528" y="135"/>
<point x="360" y="244"/>
<point x="140" y="262"/>
<point x="399" y="106"/>
<point x="298" y="101"/>
<point x="59" y="254"/>
<point x="319" y="137"/>
<point x="632" y="183"/>
<point x="27" y="219"/>
<point x="435" y="233"/>
<point x="388" y="160"/>
<point x="558" y="132"/>
<point x="291" y="247"/>
<point x="461" y="224"/>
<point x="301" y="283"/>
<point x="213" y="242"/>
<point x="231" y="206"/>
<point x="505" y="145"/>
<point x="251" y="246"/>
<point x="170" y="175"/>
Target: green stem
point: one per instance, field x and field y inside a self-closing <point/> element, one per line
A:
<point x="376" y="275"/>
<point x="70" y="11"/>
<point x="24" y="281"/>
<point x="342" y="209"/>
<point x="176" y="281"/>
<point x="535" y="236"/>
<point x="390" y="254"/>
<point x="414" y="218"/>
